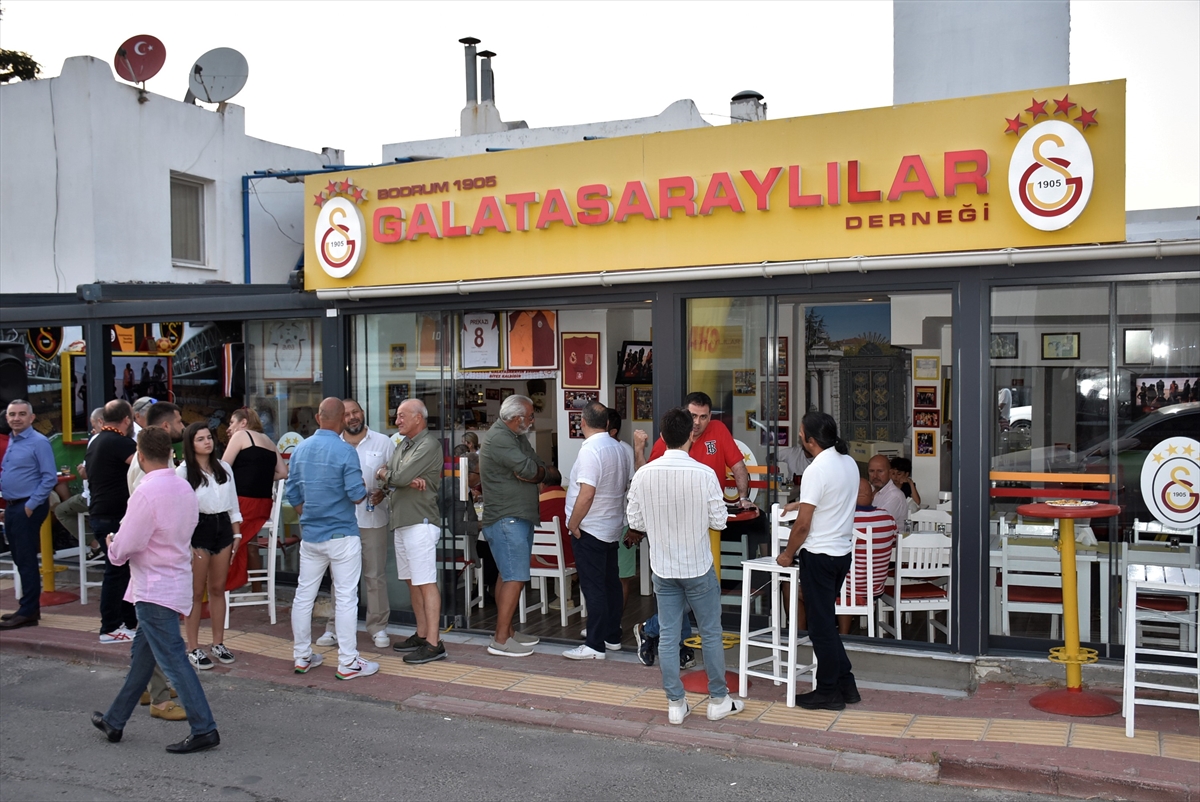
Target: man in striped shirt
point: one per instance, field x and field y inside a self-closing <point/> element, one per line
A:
<point x="674" y="501"/>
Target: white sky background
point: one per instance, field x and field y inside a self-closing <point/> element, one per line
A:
<point x="357" y="75"/>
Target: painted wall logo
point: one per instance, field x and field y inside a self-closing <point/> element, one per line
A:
<point x="1051" y="175"/>
<point x="341" y="232"/>
<point x="1171" y="482"/>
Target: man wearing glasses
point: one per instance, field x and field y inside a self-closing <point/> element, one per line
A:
<point x="510" y="470"/>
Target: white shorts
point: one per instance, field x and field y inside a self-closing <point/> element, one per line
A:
<point x="416" y="553"/>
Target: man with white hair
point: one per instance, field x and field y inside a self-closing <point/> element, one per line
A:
<point x="510" y="471"/>
<point x="413" y="476"/>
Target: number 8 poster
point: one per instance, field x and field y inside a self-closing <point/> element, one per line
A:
<point x="479" y="341"/>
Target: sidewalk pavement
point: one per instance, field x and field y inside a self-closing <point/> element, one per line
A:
<point x="991" y="738"/>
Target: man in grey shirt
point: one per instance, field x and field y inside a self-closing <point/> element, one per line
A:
<point x="510" y="470"/>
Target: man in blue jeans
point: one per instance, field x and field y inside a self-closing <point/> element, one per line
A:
<point x="155" y="539"/>
<point x="26" y="479"/>
<point x="674" y="501"/>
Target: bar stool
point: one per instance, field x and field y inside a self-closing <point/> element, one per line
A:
<point x="782" y="657"/>
<point x="1158" y="580"/>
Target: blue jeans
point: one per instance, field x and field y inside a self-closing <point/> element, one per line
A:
<point x="511" y="542"/>
<point x="25" y="541"/>
<point x="703" y="595"/>
<point x="651" y="628"/>
<point x="158" y="642"/>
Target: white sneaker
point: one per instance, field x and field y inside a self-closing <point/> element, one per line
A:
<point x="328" y="639"/>
<point x="720" y="708"/>
<point x="121" y="634"/>
<point x="678" y="711"/>
<point x="612" y="647"/>
<point x="359" y="668"/>
<point x="382" y="641"/>
<point x="583" y="652"/>
<point x="303" y="664"/>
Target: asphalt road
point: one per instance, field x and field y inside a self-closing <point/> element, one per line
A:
<point x="294" y="745"/>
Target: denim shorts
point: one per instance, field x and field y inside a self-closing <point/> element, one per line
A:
<point x="511" y="542"/>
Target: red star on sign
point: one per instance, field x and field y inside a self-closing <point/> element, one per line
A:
<point x="330" y="188"/>
<point x="341" y="186"/>
<point x="318" y="199"/>
<point x="1086" y="117"/>
<point x="1064" y="106"/>
<point x="1038" y="108"/>
<point x="359" y="195"/>
<point x="1014" y="125"/>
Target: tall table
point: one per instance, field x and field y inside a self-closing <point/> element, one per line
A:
<point x="1073" y="700"/>
<point x="50" y="595"/>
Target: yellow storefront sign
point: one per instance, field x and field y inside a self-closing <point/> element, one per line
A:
<point x="1025" y="169"/>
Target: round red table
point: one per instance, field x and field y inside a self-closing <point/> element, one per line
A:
<point x="1073" y="700"/>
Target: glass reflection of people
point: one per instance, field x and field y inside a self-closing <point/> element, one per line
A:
<point x="127" y="383"/>
<point x="1004" y="407"/>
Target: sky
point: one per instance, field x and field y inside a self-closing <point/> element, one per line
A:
<point x="358" y="75"/>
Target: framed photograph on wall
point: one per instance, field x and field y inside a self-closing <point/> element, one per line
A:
<point x="578" y="399"/>
<point x="926" y="368"/>
<point x="744" y="381"/>
<point x="1139" y="347"/>
<point x="927" y="418"/>
<point x="532" y="336"/>
<point x="635" y="363"/>
<point x="479" y="341"/>
<point x="781" y="356"/>
<point x="1003" y="345"/>
<point x="781" y="413"/>
<point x="925" y="444"/>
<point x="925" y="396"/>
<point x="491" y="394"/>
<point x="643" y="402"/>
<point x="1060" y="345"/>
<point x="575" y="425"/>
<point x="621" y="400"/>
<point x="397" y="393"/>
<point x="580" y="360"/>
<point x="399" y="354"/>
<point x="750" y="420"/>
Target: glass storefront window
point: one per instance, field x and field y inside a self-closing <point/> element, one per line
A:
<point x="283" y="374"/>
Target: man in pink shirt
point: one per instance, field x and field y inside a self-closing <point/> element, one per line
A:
<point x="155" y="539"/>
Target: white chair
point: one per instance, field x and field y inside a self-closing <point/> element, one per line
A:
<point x="921" y="583"/>
<point x="546" y="562"/>
<point x="1155" y="580"/>
<point x="733" y="554"/>
<point x="782" y="652"/>
<point x="84" y="562"/>
<point x="1163" y="615"/>
<point x="1030" y="580"/>
<point x="467" y="568"/>
<point x="252" y="598"/>
<point x="863" y="583"/>
<point x="929" y="521"/>
<point x="9" y="568"/>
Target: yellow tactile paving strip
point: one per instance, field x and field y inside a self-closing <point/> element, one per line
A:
<point x="857" y="722"/>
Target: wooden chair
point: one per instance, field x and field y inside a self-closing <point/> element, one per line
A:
<point x="548" y="562"/>
<point x="921" y="583"/>
<point x="268" y="540"/>
<point x="1030" y="579"/>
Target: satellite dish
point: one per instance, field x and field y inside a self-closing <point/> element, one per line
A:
<point x="140" y="58"/>
<point x="218" y="75"/>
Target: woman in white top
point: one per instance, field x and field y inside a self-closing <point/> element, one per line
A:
<point x="217" y="536"/>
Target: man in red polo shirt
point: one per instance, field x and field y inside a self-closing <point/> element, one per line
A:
<point x="712" y="445"/>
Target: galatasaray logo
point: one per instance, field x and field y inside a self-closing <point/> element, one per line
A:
<point x="1051" y="174"/>
<point x="340" y="233"/>
<point x="1171" y="482"/>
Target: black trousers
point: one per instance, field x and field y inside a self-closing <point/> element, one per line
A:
<point x="821" y="578"/>
<point x="600" y="581"/>
<point x="24" y="534"/>
<point x="114" y="610"/>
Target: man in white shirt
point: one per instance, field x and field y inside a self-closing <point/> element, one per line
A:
<point x="596" y="521"/>
<point x="374" y="450"/>
<point x="887" y="495"/>
<point x="674" y="501"/>
<point x="819" y="546"/>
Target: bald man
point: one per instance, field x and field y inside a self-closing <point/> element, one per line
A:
<point x="887" y="495"/>
<point x="324" y="484"/>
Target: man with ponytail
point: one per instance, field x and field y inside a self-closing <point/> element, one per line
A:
<point x="820" y="545"/>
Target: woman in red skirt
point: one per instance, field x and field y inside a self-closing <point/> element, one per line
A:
<point x="256" y="464"/>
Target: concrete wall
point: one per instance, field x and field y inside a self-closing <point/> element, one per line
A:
<point x="977" y="47"/>
<point x="679" y="115"/>
<point x="86" y="190"/>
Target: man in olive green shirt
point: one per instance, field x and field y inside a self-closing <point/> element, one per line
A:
<point x="510" y="470"/>
<point x="413" y="476"/>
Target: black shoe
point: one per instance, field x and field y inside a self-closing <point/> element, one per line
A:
<point x="112" y="733"/>
<point x="195" y="743"/>
<point x="18" y="621"/>
<point x="409" y="644"/>
<point x="849" y="691"/>
<point x="426" y="653"/>
<point x="647" y="646"/>
<point x="687" y="658"/>
<point x="821" y="700"/>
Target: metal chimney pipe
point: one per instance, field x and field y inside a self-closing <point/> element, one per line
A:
<point x="488" y="77"/>
<point x="472" y="93"/>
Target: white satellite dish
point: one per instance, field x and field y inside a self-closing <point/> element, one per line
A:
<point x="218" y="75"/>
